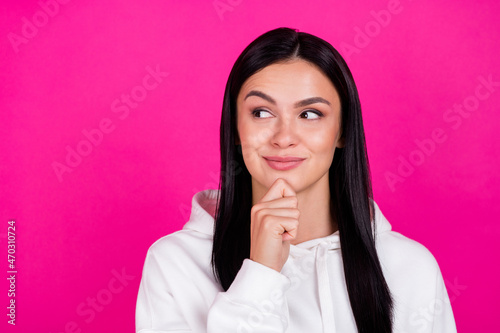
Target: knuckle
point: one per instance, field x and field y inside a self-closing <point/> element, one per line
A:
<point x="255" y="209"/>
<point x="266" y="219"/>
<point x="262" y="212"/>
<point x="280" y="182"/>
<point x="267" y="222"/>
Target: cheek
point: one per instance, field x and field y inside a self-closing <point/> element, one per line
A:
<point x="322" y="142"/>
<point x="254" y="137"/>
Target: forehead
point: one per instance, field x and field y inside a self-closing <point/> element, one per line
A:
<point x="295" y="79"/>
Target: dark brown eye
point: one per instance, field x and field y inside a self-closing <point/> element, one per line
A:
<point x="259" y="113"/>
<point x="311" y="114"/>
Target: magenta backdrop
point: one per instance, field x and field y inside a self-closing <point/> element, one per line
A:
<point x="109" y="124"/>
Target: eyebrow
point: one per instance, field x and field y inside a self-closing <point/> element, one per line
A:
<point x="299" y="104"/>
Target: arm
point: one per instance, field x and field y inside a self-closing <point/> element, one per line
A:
<point x="443" y="320"/>
<point x="156" y="309"/>
<point x="431" y="312"/>
<point x="254" y="302"/>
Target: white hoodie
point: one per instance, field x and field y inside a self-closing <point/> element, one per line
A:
<point x="178" y="292"/>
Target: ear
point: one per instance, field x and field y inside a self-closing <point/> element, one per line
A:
<point x="341" y="140"/>
<point x="340" y="143"/>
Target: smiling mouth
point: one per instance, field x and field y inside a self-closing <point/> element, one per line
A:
<point x="283" y="163"/>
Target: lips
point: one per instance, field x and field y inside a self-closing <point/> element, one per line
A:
<point x="284" y="158"/>
<point x="283" y="163"/>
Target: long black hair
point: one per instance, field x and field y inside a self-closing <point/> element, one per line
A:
<point x="351" y="196"/>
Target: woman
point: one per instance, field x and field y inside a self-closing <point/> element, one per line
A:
<point x="292" y="241"/>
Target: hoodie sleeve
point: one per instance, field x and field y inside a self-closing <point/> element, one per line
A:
<point x="255" y="301"/>
<point x="428" y="307"/>
<point x="442" y="314"/>
<point x="156" y="310"/>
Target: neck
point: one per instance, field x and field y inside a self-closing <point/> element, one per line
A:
<point x="315" y="220"/>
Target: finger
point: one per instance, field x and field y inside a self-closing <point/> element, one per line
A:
<point x="282" y="224"/>
<point x="286" y="202"/>
<point x="279" y="189"/>
<point x="286" y="236"/>
<point x="285" y="212"/>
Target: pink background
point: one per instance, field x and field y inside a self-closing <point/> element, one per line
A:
<point x="76" y="232"/>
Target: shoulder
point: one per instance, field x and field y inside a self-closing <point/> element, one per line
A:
<point x="183" y="243"/>
<point x="416" y="284"/>
<point x="187" y="252"/>
<point x="402" y="257"/>
<point x="410" y="269"/>
<point x="181" y="255"/>
<point x="400" y="250"/>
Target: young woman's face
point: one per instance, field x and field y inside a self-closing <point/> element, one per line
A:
<point x="288" y="109"/>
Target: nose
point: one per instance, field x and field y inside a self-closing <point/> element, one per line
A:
<point x="285" y="134"/>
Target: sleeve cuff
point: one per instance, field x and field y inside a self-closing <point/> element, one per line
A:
<point x="257" y="282"/>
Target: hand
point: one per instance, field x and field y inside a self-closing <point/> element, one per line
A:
<point x="274" y="222"/>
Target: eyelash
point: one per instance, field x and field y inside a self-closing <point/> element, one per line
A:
<point x="319" y="114"/>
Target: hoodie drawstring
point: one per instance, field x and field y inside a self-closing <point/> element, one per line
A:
<point x="325" y="295"/>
